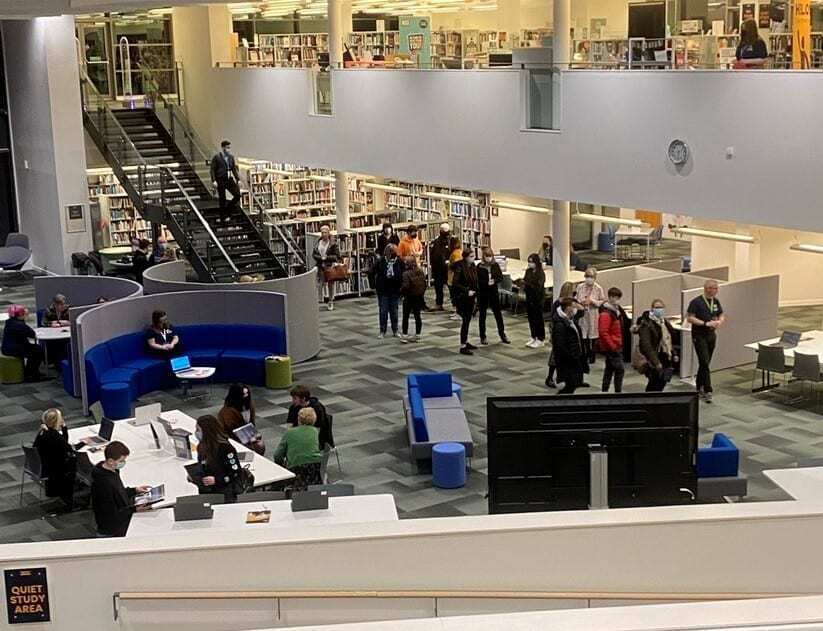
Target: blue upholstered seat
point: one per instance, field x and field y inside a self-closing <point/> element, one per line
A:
<point x="449" y="465"/>
<point x="116" y="400"/>
<point x="721" y="460"/>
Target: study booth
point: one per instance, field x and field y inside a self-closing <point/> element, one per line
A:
<point x="82" y="293"/>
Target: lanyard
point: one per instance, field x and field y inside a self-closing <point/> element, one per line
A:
<point x="709" y="304"/>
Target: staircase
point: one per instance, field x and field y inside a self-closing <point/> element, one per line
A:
<point x="169" y="187"/>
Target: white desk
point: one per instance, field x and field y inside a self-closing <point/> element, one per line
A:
<point x="634" y="233"/>
<point x="804" y="483"/>
<point x="232" y="517"/>
<point x="48" y="334"/>
<point x="516" y="270"/>
<point x="811" y="343"/>
<point x="148" y="465"/>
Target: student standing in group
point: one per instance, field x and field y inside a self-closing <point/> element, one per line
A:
<point x="590" y="295"/>
<point x="112" y="502"/>
<point x="221" y="464"/>
<point x="611" y="327"/>
<point x="489" y="277"/>
<point x="412" y="288"/>
<point x="57" y="457"/>
<point x="325" y="254"/>
<point x="464" y="286"/>
<point x="439" y="262"/>
<point x="455" y="259"/>
<point x="534" y="283"/>
<point x="225" y="176"/>
<point x="18" y="341"/>
<point x="705" y="314"/>
<point x="410" y="245"/>
<point x="568" y="349"/>
<point x="566" y="291"/>
<point x="655" y="335"/>
<point x="387" y="283"/>
<point x="546" y="252"/>
<point x="387" y="236"/>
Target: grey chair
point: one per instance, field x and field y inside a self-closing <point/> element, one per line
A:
<point x="84" y="468"/>
<point x="510" y="253"/>
<point x="770" y="359"/>
<point x="32" y="469"/>
<point x="15" y="253"/>
<point x="261" y="496"/>
<point x="96" y="410"/>
<point x="324" y="466"/>
<point x="509" y="292"/>
<point x="334" y="490"/>
<point x="807" y="369"/>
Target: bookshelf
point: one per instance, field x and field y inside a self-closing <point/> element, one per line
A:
<point x="299" y="50"/>
<point x="447" y="45"/>
<point x="534" y="37"/>
<point x="116" y="219"/>
<point x="365" y="44"/>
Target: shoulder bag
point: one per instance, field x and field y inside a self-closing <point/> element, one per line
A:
<point x="337" y="272"/>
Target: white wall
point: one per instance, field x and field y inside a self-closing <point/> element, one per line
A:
<point x="464" y="128"/>
<point x="616" y="13"/>
<point x="47" y="130"/>
<point x="520" y="228"/>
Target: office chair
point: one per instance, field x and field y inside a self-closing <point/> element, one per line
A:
<point x="770" y="359"/>
<point x="807" y="368"/>
<point x="32" y="468"/>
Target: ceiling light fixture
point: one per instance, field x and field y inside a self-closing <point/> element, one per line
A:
<point x="526" y="207"/>
<point x="323" y="178"/>
<point x="807" y="247"/>
<point x="618" y="221"/>
<point x="714" y="234"/>
<point x="448" y="197"/>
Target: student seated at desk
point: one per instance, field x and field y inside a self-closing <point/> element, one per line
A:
<point x="238" y="410"/>
<point x="221" y="464"/>
<point x="301" y="398"/>
<point x="18" y="341"/>
<point x="140" y="259"/>
<point x="113" y="503"/>
<point x="298" y="451"/>
<point x="160" y="337"/>
<point x="57" y="457"/>
<point x="56" y="316"/>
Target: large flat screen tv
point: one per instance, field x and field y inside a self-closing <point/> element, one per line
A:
<point x="539" y="450"/>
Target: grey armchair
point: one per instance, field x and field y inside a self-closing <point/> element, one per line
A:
<point x="15" y="253"/>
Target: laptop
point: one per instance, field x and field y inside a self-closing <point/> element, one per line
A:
<point x="145" y="414"/>
<point x="103" y="435"/>
<point x="246" y="434"/>
<point x="154" y="495"/>
<point x="310" y="500"/>
<point x="195" y="471"/>
<point x="788" y="339"/>
<point x="191" y="511"/>
<point x="180" y="364"/>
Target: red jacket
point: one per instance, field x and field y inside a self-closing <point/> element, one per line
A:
<point x="610" y="331"/>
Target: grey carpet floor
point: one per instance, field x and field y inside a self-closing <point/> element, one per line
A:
<point x="361" y="380"/>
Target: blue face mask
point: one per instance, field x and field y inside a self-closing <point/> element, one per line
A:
<point x="659" y="313"/>
<point x="198" y="434"/>
<point x="120" y="465"/>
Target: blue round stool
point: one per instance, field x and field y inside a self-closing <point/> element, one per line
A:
<point x="115" y="398"/>
<point x="449" y="465"/>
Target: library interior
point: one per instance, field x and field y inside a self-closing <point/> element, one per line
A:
<point x="249" y="251"/>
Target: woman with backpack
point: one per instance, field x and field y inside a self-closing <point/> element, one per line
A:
<point x="412" y="289"/>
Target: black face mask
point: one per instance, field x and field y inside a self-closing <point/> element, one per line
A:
<point x="413" y="235"/>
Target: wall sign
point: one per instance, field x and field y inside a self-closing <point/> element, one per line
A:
<point x="801" y="34"/>
<point x="27" y="595"/>
<point x="678" y="152"/>
<point x="75" y="221"/>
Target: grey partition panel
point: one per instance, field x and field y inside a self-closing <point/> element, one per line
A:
<point x="82" y="290"/>
<point x="751" y="309"/>
<point x="693" y="282"/>
<point x="717" y="273"/>
<point x="668" y="265"/>
<point x="620" y="277"/>
<point x="104" y="322"/>
<point x="303" y="315"/>
<point x="667" y="288"/>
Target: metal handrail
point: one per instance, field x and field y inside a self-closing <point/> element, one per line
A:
<point x="192" y="206"/>
<point x="261" y="207"/>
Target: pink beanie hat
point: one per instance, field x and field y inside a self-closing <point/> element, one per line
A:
<point x="15" y="311"/>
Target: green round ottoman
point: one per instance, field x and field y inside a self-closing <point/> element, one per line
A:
<point x="278" y="372"/>
<point x="11" y="370"/>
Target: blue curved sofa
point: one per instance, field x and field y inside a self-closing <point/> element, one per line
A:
<point x="237" y="351"/>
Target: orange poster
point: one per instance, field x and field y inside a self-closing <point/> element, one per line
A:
<point x="801" y="34"/>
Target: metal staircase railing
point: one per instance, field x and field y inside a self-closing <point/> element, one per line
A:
<point x="292" y="248"/>
<point x="166" y="203"/>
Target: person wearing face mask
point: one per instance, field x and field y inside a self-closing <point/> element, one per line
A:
<point x="112" y="502"/>
<point x="546" y="251"/>
<point x="590" y="295"/>
<point x="439" y="262"/>
<point x="161" y="339"/>
<point x="464" y="286"/>
<point x="225" y="177"/>
<point x="221" y="464"/>
<point x="387" y="236"/>
<point x="238" y="410"/>
<point x="566" y="291"/>
<point x="611" y="328"/>
<point x="455" y="260"/>
<point x="705" y="314"/>
<point x="656" y="348"/>
<point x="326" y="253"/>
<point x="534" y="283"/>
<point x="387" y="284"/>
<point x="489" y="277"/>
<point x="410" y="245"/>
<point x="413" y="289"/>
<point x="568" y="348"/>
<point x="140" y="259"/>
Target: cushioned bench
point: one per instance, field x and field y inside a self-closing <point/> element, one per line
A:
<point x="434" y="414"/>
<point x="718" y="470"/>
<point x="237" y="351"/>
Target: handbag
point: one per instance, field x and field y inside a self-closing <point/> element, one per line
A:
<point x="244" y="482"/>
<point x="337" y="272"/>
<point x="639" y="361"/>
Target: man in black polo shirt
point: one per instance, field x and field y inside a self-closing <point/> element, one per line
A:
<point x="705" y="315"/>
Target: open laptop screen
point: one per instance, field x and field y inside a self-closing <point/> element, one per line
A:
<point x="179" y="364"/>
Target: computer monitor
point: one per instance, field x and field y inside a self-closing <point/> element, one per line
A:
<point x="144" y="414"/>
<point x="541" y="449"/>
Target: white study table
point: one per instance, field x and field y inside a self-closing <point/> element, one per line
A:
<point x="811" y="343"/>
<point x="48" y="334"/>
<point x="804" y="483"/>
<point x="634" y="233"/>
<point x="232" y="517"/>
<point x="516" y="270"/>
<point x="148" y="465"/>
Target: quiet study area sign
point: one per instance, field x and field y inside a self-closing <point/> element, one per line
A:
<point x="27" y="595"/>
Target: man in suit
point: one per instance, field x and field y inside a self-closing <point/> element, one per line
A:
<point x="225" y="177"/>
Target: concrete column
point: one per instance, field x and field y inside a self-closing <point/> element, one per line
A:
<point x="561" y="47"/>
<point x="561" y="236"/>
<point x="341" y="200"/>
<point x="46" y="118"/>
<point x="337" y="32"/>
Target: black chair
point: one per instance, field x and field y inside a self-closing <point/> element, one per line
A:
<point x="260" y="496"/>
<point x="334" y="490"/>
<point x="510" y="253"/>
<point x="332" y="448"/>
<point x="770" y="359"/>
<point x="32" y="468"/>
<point x="84" y="468"/>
